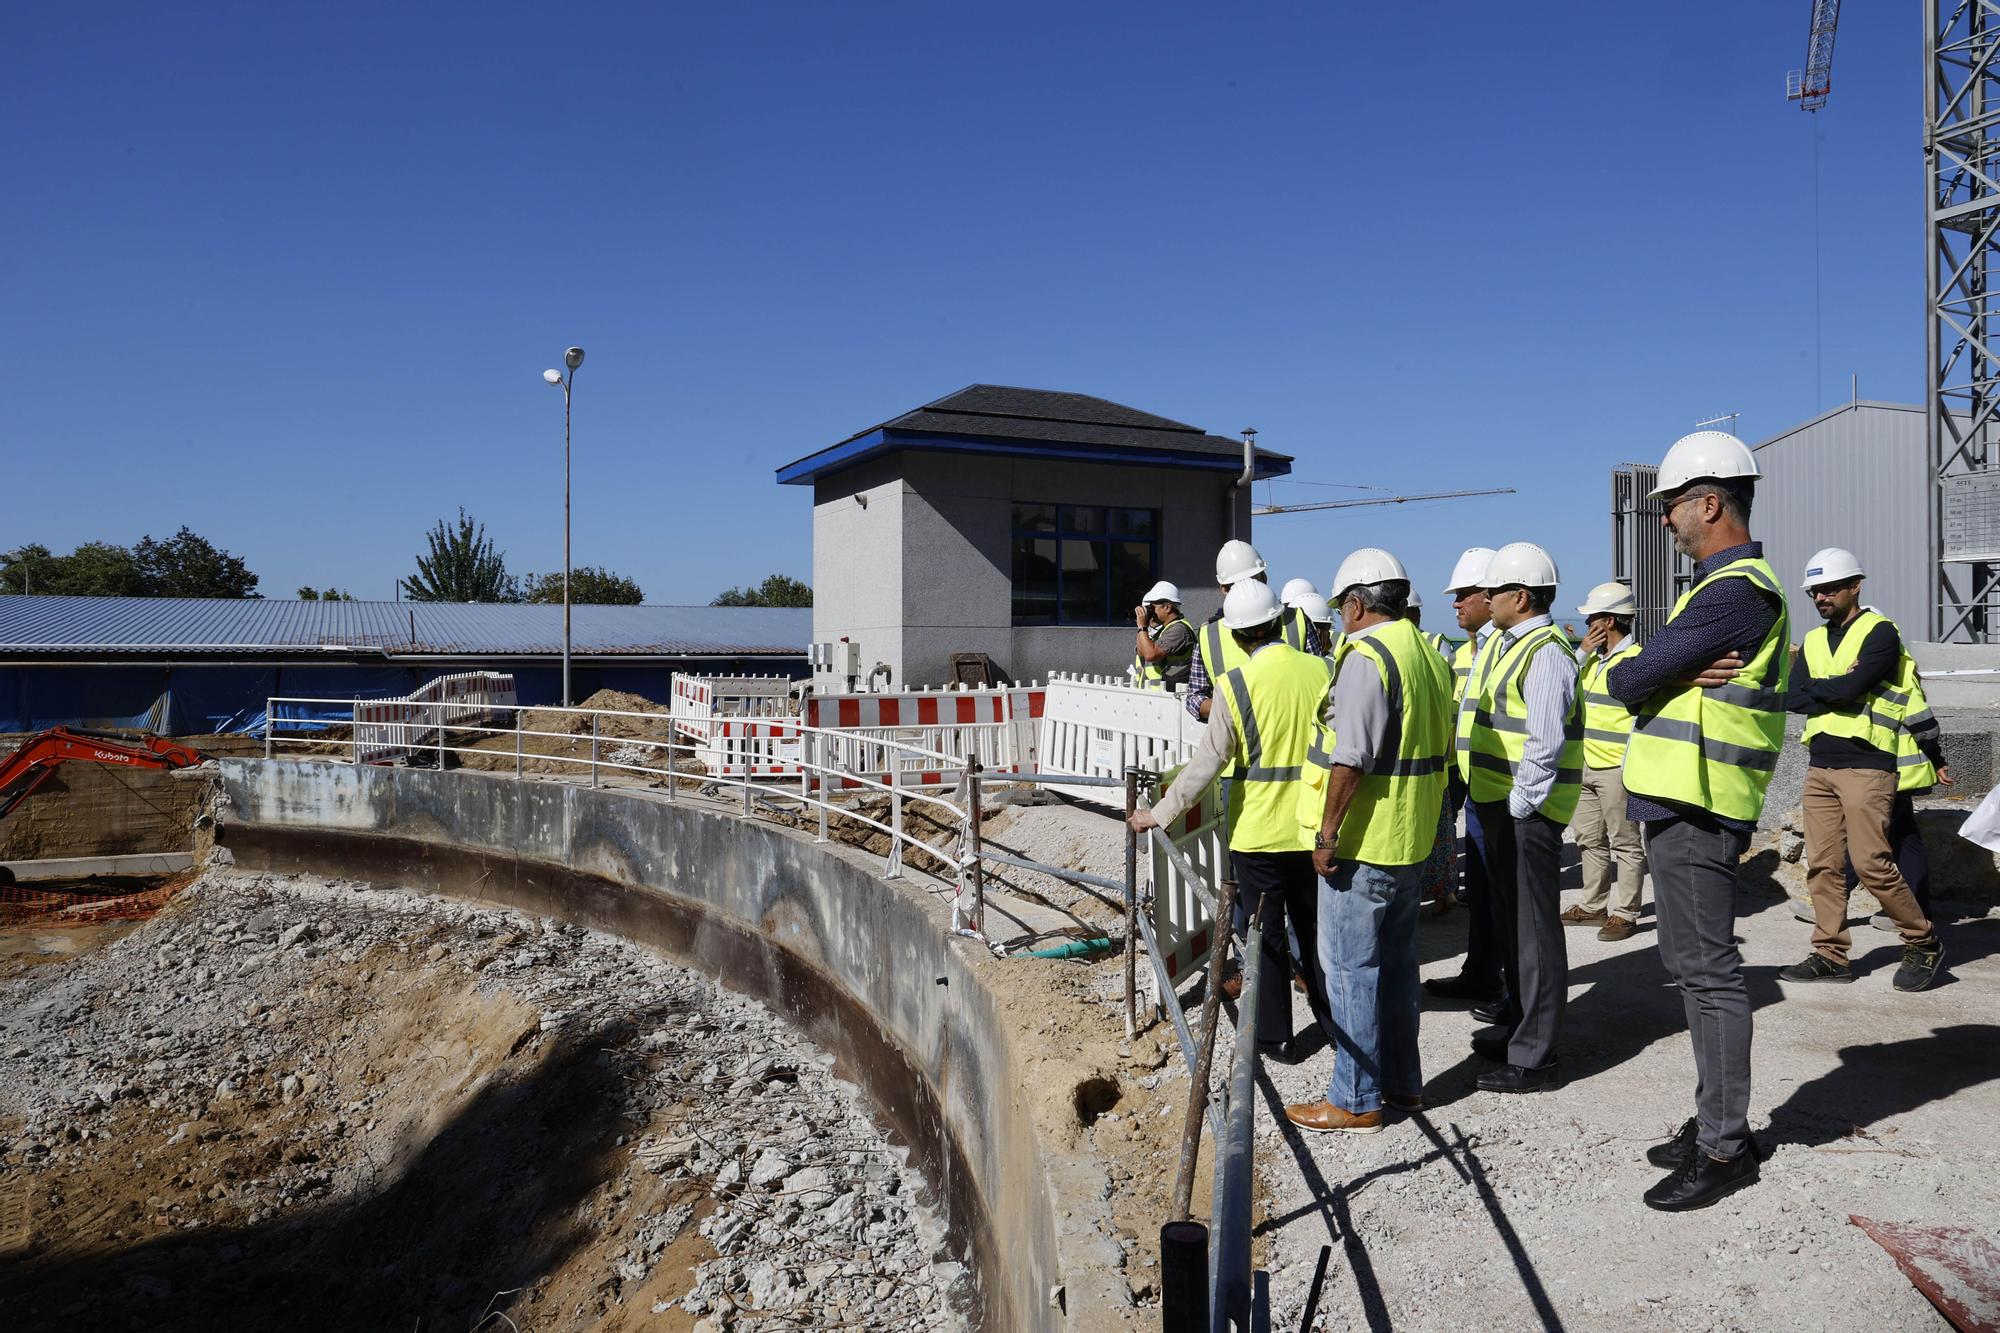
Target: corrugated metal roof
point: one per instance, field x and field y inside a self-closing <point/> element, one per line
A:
<point x="200" y="625"/>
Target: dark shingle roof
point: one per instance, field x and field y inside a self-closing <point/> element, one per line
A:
<point x="1041" y="417"/>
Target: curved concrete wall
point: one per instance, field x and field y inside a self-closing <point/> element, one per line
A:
<point x="864" y="967"/>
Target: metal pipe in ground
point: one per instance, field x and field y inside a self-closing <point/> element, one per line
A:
<point x="1211" y="1013"/>
<point x="1230" y="1283"/>
<point x="973" y="834"/>
<point x="1131" y="906"/>
<point x="1183" y="1277"/>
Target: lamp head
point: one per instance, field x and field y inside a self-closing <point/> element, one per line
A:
<point x="573" y="357"/>
<point x="552" y="376"/>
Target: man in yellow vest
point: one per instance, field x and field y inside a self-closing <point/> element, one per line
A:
<point x="1520" y="753"/>
<point x="1215" y="651"/>
<point x="1372" y="802"/>
<point x="1603" y="834"/>
<point x="1707" y="695"/>
<point x="1478" y="980"/>
<point x="1165" y="643"/>
<point x="1854" y="683"/>
<point x="1266" y="725"/>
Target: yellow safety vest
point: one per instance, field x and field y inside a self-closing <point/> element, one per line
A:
<point x="1493" y="726"/>
<point x="1714" y="749"/>
<point x="1439" y="644"/>
<point x="1275" y="700"/>
<point x="1607" y="724"/>
<point x="1219" y="656"/>
<point x="1295" y="628"/>
<point x="1393" y="818"/>
<point x="1461" y="667"/>
<point x="1152" y="674"/>
<point x="1882" y="717"/>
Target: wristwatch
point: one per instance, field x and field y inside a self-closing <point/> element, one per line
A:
<point x="1323" y="842"/>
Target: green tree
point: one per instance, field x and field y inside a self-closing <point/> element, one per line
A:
<point x="588" y="586"/>
<point x="462" y="566"/>
<point x="189" y="565"/>
<point x="312" y="594"/>
<point x="775" y="590"/>
<point x="94" y="569"/>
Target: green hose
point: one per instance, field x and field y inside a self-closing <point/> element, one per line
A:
<point x="1071" y="949"/>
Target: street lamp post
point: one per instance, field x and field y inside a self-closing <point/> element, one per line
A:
<point x="572" y="359"/>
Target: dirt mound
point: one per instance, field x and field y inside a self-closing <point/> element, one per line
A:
<point x="624" y="728"/>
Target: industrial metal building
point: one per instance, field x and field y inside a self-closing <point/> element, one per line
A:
<point x="1021" y="524"/>
<point x="205" y="666"/>
<point x="1852" y="477"/>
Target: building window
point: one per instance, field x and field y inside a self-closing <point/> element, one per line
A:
<point x="1082" y="564"/>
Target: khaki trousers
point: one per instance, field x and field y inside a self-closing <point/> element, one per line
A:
<point x="1847" y="815"/>
<point x="1607" y="840"/>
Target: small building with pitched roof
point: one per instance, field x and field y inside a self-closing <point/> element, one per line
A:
<point x="1024" y="524"/>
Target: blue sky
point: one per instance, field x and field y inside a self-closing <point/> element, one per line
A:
<point x="291" y="278"/>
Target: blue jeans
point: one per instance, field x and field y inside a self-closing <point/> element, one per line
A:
<point x="1368" y="964"/>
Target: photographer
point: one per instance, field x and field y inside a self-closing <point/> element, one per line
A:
<point x="1165" y="643"/>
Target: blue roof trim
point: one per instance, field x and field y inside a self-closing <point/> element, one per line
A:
<point x="876" y="442"/>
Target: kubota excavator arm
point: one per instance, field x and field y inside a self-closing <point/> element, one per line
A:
<point x="30" y="766"/>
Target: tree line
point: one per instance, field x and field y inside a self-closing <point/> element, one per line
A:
<point x="460" y="563"/>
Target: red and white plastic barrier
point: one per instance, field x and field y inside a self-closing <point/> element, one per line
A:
<point x="1099" y="725"/>
<point x="698" y="700"/>
<point x="996" y="727"/>
<point x="388" y="729"/>
<point x="1181" y="921"/>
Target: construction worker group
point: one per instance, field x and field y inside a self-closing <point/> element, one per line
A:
<point x="1346" y="740"/>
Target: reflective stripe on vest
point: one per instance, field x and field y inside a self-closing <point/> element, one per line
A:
<point x="1152" y="675"/>
<point x="1219" y="657"/>
<point x="1274" y="701"/>
<point x="1295" y="628"/>
<point x="1714" y="749"/>
<point x="1392" y="819"/>
<point x="1607" y="724"/>
<point x="1493" y="726"/>
<point x="1461" y="666"/>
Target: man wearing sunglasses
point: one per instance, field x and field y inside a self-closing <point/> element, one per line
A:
<point x="1707" y="698"/>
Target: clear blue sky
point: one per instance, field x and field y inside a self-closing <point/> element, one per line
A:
<point x="292" y="279"/>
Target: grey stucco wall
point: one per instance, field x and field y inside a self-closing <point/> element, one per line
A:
<point x="886" y="949"/>
<point x="945" y="522"/>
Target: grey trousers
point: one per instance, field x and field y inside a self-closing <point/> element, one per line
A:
<point x="1694" y="861"/>
<point x="1523" y="875"/>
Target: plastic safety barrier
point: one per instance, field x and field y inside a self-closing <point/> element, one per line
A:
<point x="1100" y="725"/>
<point x="1181" y="921"/>
<point x="698" y="700"/>
<point x="996" y="727"/>
<point x="388" y="729"/>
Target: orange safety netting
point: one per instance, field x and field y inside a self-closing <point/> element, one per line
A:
<point x="85" y="903"/>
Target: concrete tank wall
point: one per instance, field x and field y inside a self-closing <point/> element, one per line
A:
<point x="863" y="966"/>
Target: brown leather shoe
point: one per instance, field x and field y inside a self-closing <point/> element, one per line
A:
<point x="1232" y="989"/>
<point x="1415" y="1103"/>
<point x="1618" y="928"/>
<point x="1576" y="916"/>
<point x="1326" y="1118"/>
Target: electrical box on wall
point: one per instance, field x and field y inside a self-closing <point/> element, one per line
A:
<point x="842" y="657"/>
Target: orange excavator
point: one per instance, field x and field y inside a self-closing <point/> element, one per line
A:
<point x="34" y="762"/>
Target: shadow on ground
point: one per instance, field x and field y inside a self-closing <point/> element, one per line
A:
<point x="489" y="1205"/>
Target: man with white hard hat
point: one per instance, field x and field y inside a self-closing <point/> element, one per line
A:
<point x="1478" y="979"/>
<point x="1520" y="751"/>
<point x="1707" y="697"/>
<point x="1215" y="651"/>
<point x="1414" y="613"/>
<point x="1373" y="799"/>
<point x="1267" y="725"/>
<point x="1608" y="840"/>
<point x="1857" y="687"/>
<point x="1165" y="646"/>
<point x="1320" y="616"/>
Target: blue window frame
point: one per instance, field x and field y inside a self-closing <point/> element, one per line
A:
<point x="1082" y="564"/>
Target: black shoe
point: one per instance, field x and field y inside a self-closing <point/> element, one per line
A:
<point x="1673" y="1153"/>
<point x="1816" y="967"/>
<point x="1287" y="1052"/>
<point x="1463" y="987"/>
<point x="1492" y="1046"/>
<point x="1494" y="1013"/>
<point x="1516" y="1078"/>
<point x="1920" y="965"/>
<point x="1701" y="1180"/>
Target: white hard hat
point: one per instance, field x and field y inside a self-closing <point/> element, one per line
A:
<point x="1163" y="591"/>
<point x="1249" y="604"/>
<point x="1295" y="589"/>
<point x="1706" y="454"/>
<point x="1831" y="565"/>
<point x="1609" y="599"/>
<point x="1236" y="561"/>
<point x="1520" y="562"/>
<point x="1416" y="602"/>
<point x="1470" y="569"/>
<point x="1315" y="608"/>
<point x="1370" y="564"/>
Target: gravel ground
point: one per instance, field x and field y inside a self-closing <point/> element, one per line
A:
<point x="317" y="1105"/>
<point x="1490" y="1211"/>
